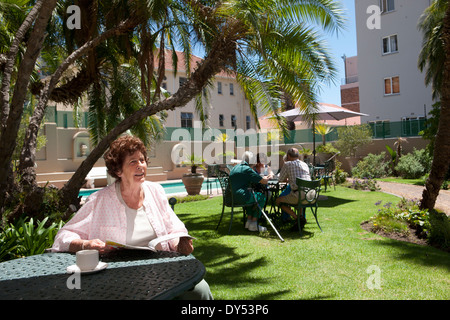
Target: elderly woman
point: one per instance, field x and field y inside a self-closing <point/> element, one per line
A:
<point x="131" y="211"/>
<point x="242" y="176"/>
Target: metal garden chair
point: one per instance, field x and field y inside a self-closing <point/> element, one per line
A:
<point x="307" y="198"/>
<point x="228" y="198"/>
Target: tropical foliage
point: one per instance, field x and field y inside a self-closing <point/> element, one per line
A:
<point x="434" y="58"/>
<point x="274" y="48"/>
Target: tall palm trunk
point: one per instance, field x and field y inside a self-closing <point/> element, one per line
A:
<point x="11" y="119"/>
<point x="222" y="54"/>
<point x="441" y="156"/>
<point x="28" y="154"/>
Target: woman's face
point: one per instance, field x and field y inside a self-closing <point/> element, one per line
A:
<point x="134" y="168"/>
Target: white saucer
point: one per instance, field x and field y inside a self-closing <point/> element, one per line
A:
<point x="75" y="268"/>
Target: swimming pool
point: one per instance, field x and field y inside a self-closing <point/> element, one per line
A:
<point x="169" y="187"/>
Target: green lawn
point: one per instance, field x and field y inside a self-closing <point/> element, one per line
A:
<point x="334" y="264"/>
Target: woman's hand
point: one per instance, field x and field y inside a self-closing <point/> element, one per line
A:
<point x="185" y="246"/>
<point x="95" y="244"/>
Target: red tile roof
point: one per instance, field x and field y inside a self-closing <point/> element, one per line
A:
<point x="181" y="65"/>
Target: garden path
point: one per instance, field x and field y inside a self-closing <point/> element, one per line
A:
<point x="409" y="191"/>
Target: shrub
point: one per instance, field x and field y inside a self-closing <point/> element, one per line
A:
<point x="414" y="165"/>
<point x="409" y="167"/>
<point x="397" y="218"/>
<point x="351" y="138"/>
<point x="340" y="176"/>
<point x="365" y="184"/>
<point x="372" y="166"/>
<point x="439" y="230"/>
<point x="26" y="238"/>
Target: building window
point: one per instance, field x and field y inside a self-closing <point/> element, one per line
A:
<point x="181" y="81"/>
<point x="186" y="119"/>
<point x="219" y="87"/>
<point x="221" y="120"/>
<point x="387" y="5"/>
<point x="233" y="121"/>
<point x="247" y="122"/>
<point x="390" y="44"/>
<point x="231" y="89"/>
<point x="391" y="85"/>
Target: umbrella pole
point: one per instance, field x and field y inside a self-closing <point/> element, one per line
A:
<point x="314" y="141"/>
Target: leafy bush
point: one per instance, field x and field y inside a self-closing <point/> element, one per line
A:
<point x="372" y="166"/>
<point x="414" y="165"/>
<point x="365" y="184"/>
<point x="439" y="230"/>
<point x="326" y="148"/>
<point x="397" y="218"/>
<point x="351" y="138"/>
<point x="340" y="176"/>
<point x="25" y="238"/>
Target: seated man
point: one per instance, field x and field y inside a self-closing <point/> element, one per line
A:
<point x="292" y="169"/>
<point x="241" y="178"/>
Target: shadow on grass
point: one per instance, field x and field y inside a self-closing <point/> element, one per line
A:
<point x="423" y="255"/>
<point x="331" y="202"/>
<point x="225" y="267"/>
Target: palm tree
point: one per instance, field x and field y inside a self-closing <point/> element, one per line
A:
<point x="435" y="57"/>
<point x="432" y="55"/>
<point x="323" y="130"/>
<point x="269" y="45"/>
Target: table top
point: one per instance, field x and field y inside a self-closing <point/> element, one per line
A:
<point x="131" y="274"/>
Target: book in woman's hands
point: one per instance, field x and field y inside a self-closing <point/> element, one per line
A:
<point x="152" y="244"/>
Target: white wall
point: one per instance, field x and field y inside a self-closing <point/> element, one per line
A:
<point x="373" y="66"/>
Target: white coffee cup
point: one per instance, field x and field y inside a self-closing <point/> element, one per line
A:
<point x="87" y="259"/>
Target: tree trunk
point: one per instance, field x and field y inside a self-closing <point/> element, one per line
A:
<point x="28" y="154"/>
<point x="222" y="54"/>
<point x="9" y="130"/>
<point x="10" y="60"/>
<point x="441" y="154"/>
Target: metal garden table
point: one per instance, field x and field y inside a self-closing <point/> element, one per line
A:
<point x="131" y="274"/>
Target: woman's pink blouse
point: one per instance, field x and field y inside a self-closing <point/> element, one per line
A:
<point x="103" y="217"/>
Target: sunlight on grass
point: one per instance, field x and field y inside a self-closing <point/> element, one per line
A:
<point x="328" y="265"/>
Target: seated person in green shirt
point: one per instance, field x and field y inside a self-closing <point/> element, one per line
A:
<point x="241" y="178"/>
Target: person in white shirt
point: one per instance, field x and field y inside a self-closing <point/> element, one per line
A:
<point x="292" y="169"/>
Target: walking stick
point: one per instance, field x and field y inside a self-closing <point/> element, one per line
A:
<point x="265" y="215"/>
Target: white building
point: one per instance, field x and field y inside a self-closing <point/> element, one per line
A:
<point x="229" y="109"/>
<point x="391" y="87"/>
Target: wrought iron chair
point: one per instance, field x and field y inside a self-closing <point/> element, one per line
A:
<point x="228" y="198"/>
<point x="211" y="173"/>
<point x="307" y="198"/>
<point x="327" y="175"/>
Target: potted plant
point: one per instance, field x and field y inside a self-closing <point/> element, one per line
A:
<point x="306" y="153"/>
<point x="193" y="180"/>
<point x="326" y="151"/>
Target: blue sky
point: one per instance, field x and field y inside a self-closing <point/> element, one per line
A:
<point x="345" y="43"/>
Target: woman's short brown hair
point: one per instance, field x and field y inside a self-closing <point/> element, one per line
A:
<point x="119" y="149"/>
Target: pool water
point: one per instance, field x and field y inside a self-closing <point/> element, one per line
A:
<point x="169" y="187"/>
